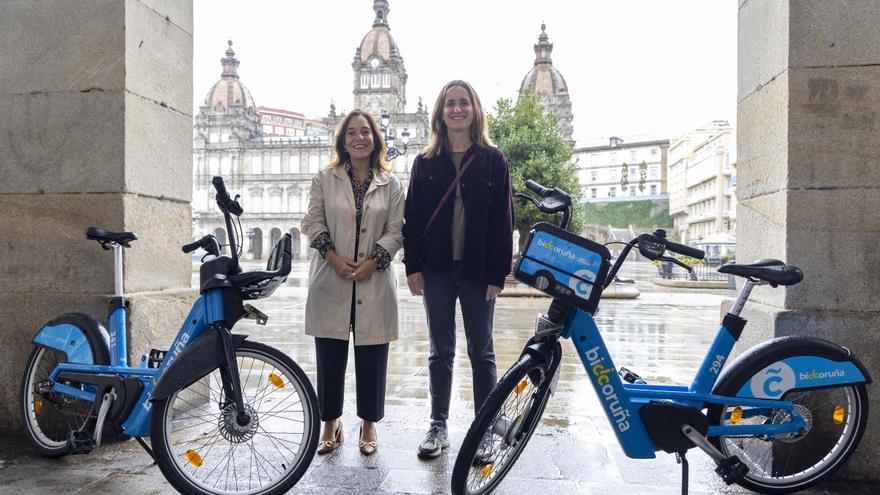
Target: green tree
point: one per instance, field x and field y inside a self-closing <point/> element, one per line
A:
<point x="536" y="150"/>
<point x="643" y="174"/>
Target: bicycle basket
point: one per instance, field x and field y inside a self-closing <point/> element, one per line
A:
<point x="564" y="266"/>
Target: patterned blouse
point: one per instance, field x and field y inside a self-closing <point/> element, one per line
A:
<point x="322" y="241"/>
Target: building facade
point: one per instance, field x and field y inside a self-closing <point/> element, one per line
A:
<point x="621" y="171"/>
<point x="546" y="84"/>
<point x="702" y="185"/>
<point x="269" y="155"/>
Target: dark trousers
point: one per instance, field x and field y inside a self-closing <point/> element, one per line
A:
<point x="370" y="366"/>
<point x="441" y="289"/>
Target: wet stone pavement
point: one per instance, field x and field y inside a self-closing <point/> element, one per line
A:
<point x="662" y="335"/>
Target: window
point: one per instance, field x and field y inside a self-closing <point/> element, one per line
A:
<point x="365" y="81"/>
<point x="632" y="190"/>
<point x="275" y="164"/>
<point x="293" y="201"/>
<point x="652" y="172"/>
<point x="224" y="137"/>
<point x="632" y="155"/>
<point x="653" y="189"/>
<point x="594" y="174"/>
<point x="593" y="192"/>
<point x="214" y="165"/>
<point x="294" y="164"/>
<point x="386" y="80"/>
<point x="632" y="171"/>
<point x="214" y="137"/>
<point x="257" y="165"/>
<point x="374" y="80"/>
<point x="613" y="157"/>
<point x="612" y="192"/>
<point x="613" y="174"/>
<point x="256" y="200"/>
<point x="653" y="152"/>
<point x="225" y="165"/>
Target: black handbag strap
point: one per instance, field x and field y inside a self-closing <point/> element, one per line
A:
<point x="445" y="197"/>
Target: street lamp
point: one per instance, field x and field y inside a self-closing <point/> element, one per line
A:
<point x="384" y="121"/>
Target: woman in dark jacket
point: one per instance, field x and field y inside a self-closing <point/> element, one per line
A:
<point x="458" y="244"/>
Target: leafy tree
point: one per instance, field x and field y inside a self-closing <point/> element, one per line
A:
<point x="536" y="150"/>
<point x="643" y="174"/>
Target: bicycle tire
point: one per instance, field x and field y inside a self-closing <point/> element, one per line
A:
<point x="770" y="459"/>
<point x="48" y="417"/>
<point x="175" y="419"/>
<point x="491" y="471"/>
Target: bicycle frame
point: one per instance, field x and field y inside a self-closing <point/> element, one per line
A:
<point x="621" y="401"/>
<point x="207" y="308"/>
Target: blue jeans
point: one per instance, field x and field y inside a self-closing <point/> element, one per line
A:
<point x="440" y="292"/>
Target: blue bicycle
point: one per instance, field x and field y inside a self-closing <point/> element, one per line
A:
<point x="225" y="415"/>
<point x="780" y="418"/>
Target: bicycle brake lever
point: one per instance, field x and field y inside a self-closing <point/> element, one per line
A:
<point x="677" y="262"/>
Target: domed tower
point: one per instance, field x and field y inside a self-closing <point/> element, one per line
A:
<point x="379" y="74"/>
<point x="548" y="86"/>
<point x="229" y="108"/>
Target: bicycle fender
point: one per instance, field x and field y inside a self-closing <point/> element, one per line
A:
<point x="771" y="369"/>
<point x="197" y="360"/>
<point x="82" y="338"/>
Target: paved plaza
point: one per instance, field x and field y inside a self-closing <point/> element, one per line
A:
<point x="660" y="335"/>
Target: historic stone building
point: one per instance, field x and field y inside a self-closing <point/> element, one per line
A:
<point x="623" y="171"/>
<point x="269" y="156"/>
<point x="546" y="83"/>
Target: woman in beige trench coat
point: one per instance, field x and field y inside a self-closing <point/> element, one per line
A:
<point x="354" y="225"/>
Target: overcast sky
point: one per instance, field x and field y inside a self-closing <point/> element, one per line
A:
<point x="633" y="67"/>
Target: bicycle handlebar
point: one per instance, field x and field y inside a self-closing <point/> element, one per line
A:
<point x="538" y="188"/>
<point x="227" y="204"/>
<point x="685" y="250"/>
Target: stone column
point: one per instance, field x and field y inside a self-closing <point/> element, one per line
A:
<point x="96" y="99"/>
<point x="809" y="176"/>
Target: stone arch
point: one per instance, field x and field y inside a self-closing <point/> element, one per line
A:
<point x="274" y="237"/>
<point x="256" y="237"/>
<point x="295" y="248"/>
<point x="220" y="234"/>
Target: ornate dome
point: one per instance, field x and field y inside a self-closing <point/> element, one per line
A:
<point x="547" y="84"/>
<point x="229" y="95"/>
<point x="543" y="80"/>
<point x="378" y="43"/>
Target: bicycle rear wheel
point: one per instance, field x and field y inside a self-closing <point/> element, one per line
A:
<point x="49" y="416"/>
<point x="836" y="418"/>
<point x="503" y="426"/>
<point x="202" y="449"/>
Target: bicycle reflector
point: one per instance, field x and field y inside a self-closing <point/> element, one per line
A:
<point x="736" y="415"/>
<point x="522" y="385"/>
<point x="276" y="380"/>
<point x="839" y="414"/>
<point x="193" y="458"/>
<point x="38" y="406"/>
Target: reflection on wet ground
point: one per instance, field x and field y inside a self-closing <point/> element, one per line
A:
<point x="662" y="336"/>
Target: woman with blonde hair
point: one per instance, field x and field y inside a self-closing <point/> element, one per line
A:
<point x="458" y="244"/>
<point x="354" y="224"/>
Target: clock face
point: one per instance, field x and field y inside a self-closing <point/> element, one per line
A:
<point x="374" y="63"/>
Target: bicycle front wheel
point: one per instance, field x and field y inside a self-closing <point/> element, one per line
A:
<point x="503" y="427"/>
<point x="203" y="450"/>
<point x="836" y="418"/>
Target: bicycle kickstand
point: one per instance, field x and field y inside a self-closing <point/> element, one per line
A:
<point x="682" y="459"/>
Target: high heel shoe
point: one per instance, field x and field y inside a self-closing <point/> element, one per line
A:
<point x="327" y="446"/>
<point x="367" y="448"/>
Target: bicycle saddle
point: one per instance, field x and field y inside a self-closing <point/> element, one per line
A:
<point x="767" y="269"/>
<point x="103" y="236"/>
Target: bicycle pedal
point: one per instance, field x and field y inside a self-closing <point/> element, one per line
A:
<point x="630" y="377"/>
<point x="731" y="469"/>
<point x="80" y="442"/>
<point x="155" y="359"/>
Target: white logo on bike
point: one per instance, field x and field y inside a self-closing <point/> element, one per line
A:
<point x="582" y="288"/>
<point x="773" y="381"/>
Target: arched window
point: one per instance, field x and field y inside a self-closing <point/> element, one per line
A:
<point x="257" y="165"/>
<point x="386" y="80"/>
